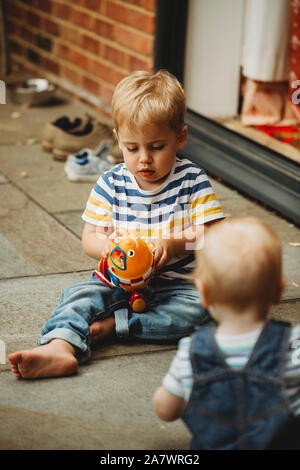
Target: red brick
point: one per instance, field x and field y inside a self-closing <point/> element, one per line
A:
<point x="90" y="44"/>
<point x="44" y="5"/>
<point x="116" y="56"/>
<point x="139" y="64"/>
<point x="90" y="85"/>
<point x="137" y="19"/>
<point x="27" y="35"/>
<point x="62" y="51"/>
<point x="106" y="73"/>
<point x="95" y="5"/>
<point x="80" y="59"/>
<point x="62" y="11"/>
<point x="134" y="41"/>
<point x="12" y="27"/>
<point x="51" y="65"/>
<point x="51" y="27"/>
<point x="70" y="34"/>
<point x="84" y="20"/>
<point x="33" y="19"/>
<point x="77" y="2"/>
<point x="15" y="10"/>
<point x="104" y="29"/>
<point x="106" y="94"/>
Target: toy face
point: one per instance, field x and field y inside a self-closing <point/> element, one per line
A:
<point x="130" y="258"/>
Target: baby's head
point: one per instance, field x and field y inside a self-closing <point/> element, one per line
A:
<point x="240" y="265"/>
<point x="145" y="99"/>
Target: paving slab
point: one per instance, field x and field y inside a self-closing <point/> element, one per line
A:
<point x="19" y="267"/>
<point x="45" y="180"/>
<point x="107" y="405"/>
<point x="45" y="243"/>
<point x="72" y="220"/>
<point x="287" y="311"/>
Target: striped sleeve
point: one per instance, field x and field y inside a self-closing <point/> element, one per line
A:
<point x="204" y="206"/>
<point x="98" y="209"/>
<point x="179" y="379"/>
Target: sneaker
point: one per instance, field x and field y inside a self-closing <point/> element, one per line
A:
<point x="115" y="155"/>
<point x="87" y="164"/>
<point x="61" y="125"/>
<point x="88" y="137"/>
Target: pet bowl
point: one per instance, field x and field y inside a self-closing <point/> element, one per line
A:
<point x="34" y="91"/>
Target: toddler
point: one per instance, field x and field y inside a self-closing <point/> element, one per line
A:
<point x="153" y="194"/>
<point x="236" y="383"/>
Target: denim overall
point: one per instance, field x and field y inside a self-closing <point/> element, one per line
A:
<point x="238" y="409"/>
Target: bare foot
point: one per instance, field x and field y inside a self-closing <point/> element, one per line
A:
<point x="102" y="328"/>
<point x="49" y="360"/>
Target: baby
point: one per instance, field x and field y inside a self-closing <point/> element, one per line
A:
<point x="236" y="384"/>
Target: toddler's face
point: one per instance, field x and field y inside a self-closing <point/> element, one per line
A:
<point x="150" y="155"/>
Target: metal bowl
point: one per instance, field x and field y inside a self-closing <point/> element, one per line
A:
<point x="34" y="91"/>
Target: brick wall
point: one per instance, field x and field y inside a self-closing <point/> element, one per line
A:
<point x="84" y="46"/>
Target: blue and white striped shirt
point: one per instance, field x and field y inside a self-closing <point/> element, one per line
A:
<point x="186" y="198"/>
<point x="237" y="350"/>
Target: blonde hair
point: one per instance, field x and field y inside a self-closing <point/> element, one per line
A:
<point x="240" y="263"/>
<point x="144" y="98"/>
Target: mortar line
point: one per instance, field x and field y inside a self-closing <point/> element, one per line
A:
<point x="171" y="348"/>
<point x="3" y="279"/>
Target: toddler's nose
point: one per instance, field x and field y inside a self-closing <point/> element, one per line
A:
<point x="145" y="156"/>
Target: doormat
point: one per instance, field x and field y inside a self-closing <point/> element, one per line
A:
<point x="287" y="134"/>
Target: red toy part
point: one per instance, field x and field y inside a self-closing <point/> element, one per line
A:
<point x="103" y="267"/>
<point x="137" y="301"/>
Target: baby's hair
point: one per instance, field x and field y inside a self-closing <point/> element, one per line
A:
<point x="144" y="98"/>
<point x="240" y="263"/>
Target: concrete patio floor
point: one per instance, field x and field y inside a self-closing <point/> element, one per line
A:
<point x="107" y="404"/>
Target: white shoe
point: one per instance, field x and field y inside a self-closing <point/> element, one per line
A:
<point x="87" y="165"/>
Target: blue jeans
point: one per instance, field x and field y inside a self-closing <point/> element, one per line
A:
<point x="173" y="310"/>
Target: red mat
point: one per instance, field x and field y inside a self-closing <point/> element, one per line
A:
<point x="287" y="134"/>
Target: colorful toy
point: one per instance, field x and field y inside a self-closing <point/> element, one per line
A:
<point x="129" y="265"/>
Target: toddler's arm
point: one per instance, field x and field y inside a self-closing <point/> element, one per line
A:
<point x="96" y="240"/>
<point x="178" y="243"/>
<point x="167" y="406"/>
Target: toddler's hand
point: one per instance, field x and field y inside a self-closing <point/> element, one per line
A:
<point x="164" y="251"/>
<point x="110" y="239"/>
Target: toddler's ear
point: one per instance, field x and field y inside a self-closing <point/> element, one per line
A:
<point x="116" y="134"/>
<point x="182" y="138"/>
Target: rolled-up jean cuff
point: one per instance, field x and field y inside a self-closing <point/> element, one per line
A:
<point x="83" y="351"/>
<point x="121" y="319"/>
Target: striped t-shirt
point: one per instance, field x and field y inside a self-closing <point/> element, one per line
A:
<point x="236" y="350"/>
<point x="185" y="198"/>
